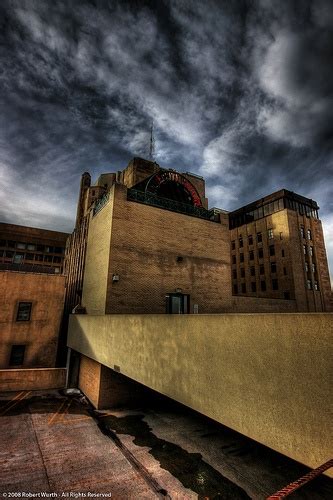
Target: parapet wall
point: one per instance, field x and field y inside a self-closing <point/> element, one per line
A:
<point x="264" y="375"/>
<point x="32" y="379"/>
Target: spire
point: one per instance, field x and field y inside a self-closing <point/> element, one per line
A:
<point x="152" y="143"/>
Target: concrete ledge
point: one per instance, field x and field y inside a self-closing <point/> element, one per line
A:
<point x="32" y="379"/>
<point x="263" y="375"/>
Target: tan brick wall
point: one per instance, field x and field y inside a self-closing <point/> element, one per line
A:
<point x="40" y="334"/>
<point x="89" y="379"/>
<point x="32" y="379"/>
<point x="97" y="259"/>
<point x="146" y="242"/>
<point x="289" y="259"/>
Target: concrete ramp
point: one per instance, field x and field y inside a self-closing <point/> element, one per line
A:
<point x="267" y="376"/>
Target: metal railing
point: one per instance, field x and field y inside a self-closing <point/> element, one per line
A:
<point x="173" y="205"/>
<point x="101" y="203"/>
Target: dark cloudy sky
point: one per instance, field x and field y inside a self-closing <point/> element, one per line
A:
<point x="240" y="91"/>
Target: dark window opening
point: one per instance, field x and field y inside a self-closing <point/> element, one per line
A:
<point x="273" y="267"/>
<point x="17" y="355"/>
<point x="177" y="303"/>
<point x="260" y="253"/>
<point x="242" y="272"/>
<point x="234" y="259"/>
<point x="241" y="257"/>
<point x="263" y="286"/>
<point x="275" y="284"/>
<point x="282" y="252"/>
<point x="243" y="288"/>
<point x="259" y="237"/>
<point x="251" y="255"/>
<point x="250" y="240"/>
<point x="253" y="286"/>
<point x="234" y="274"/>
<point x="286" y="295"/>
<point x="240" y="242"/>
<point x="24" y="311"/>
<point x="262" y="269"/>
<point x="235" y="289"/>
<point x="233" y="245"/>
<point x="271" y="250"/>
<point x="252" y="271"/>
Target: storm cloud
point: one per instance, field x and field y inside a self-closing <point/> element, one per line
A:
<point x="240" y="92"/>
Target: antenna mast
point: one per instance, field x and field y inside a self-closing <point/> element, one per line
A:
<point x="152" y="143"/>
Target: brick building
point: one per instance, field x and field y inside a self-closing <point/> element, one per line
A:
<point x="30" y="316"/>
<point x="32" y="249"/>
<point x="278" y="251"/>
<point x="145" y="242"/>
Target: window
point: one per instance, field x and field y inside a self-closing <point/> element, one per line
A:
<point x="270" y="234"/>
<point x="234" y="274"/>
<point x="233" y="245"/>
<point x="259" y="237"/>
<point x="263" y="286"/>
<point x="39" y="257"/>
<point x="243" y="288"/>
<point x="315" y="285"/>
<point x="282" y="252"/>
<point x="58" y="250"/>
<point x="271" y="250"/>
<point x="253" y="286"/>
<point x="250" y="239"/>
<point x="281" y="236"/>
<point x="286" y="295"/>
<point x="17" y="355"/>
<point x="241" y="257"/>
<point x="11" y="244"/>
<point x="262" y="269"/>
<point x="302" y="232"/>
<point x="309" y="285"/>
<point x="235" y="288"/>
<point x="40" y="248"/>
<point x="240" y="242"/>
<point x="24" y="311"/>
<point x="30" y="246"/>
<point x="260" y="253"/>
<point x="21" y="246"/>
<point x="252" y="271"/>
<point x="273" y="267"/>
<point x="18" y="258"/>
<point x="48" y="258"/>
<point x="242" y="272"/>
<point x="285" y="271"/>
<point x="234" y="259"/>
<point x="9" y="254"/>
<point x="313" y="266"/>
<point x="309" y="234"/>
<point x="2" y="243"/>
<point x="251" y="255"/>
<point x="306" y="267"/>
<point x="311" y="251"/>
<point x="29" y="256"/>
<point x="57" y="260"/>
<point x="275" y="284"/>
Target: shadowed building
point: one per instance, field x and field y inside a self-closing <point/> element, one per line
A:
<point x="30" y="316"/>
<point x="33" y="249"/>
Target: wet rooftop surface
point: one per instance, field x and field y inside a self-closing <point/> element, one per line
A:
<point x="58" y="444"/>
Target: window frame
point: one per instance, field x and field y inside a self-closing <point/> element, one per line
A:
<point x="20" y="305"/>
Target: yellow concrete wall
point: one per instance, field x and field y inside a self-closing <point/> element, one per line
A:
<point x="264" y="375"/>
<point x="97" y="259"/>
<point x="40" y="334"/>
<point x="32" y="379"/>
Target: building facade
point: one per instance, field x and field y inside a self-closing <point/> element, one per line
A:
<point x="32" y="249"/>
<point x="278" y="252"/>
<point x="30" y="317"/>
<point x="145" y="242"/>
